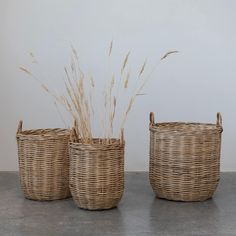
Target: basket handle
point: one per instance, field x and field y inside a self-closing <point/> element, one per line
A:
<point x="19" y="128"/>
<point x="219" y="119"/>
<point x="122" y="136"/>
<point x="75" y="123"/>
<point x="152" y="118"/>
<point x="73" y="135"/>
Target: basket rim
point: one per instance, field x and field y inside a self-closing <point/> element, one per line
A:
<point x="44" y="133"/>
<point x="176" y="127"/>
<point x="116" y="144"/>
<point x="182" y="123"/>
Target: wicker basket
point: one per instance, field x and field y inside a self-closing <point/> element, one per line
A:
<point x="97" y="174"/>
<point x="185" y="159"/>
<point x="43" y="163"/>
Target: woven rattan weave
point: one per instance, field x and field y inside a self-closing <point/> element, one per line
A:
<point x="43" y="163"/>
<point x="97" y="174"/>
<point x="185" y="159"/>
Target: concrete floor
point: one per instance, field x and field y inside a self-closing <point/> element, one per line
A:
<point x="139" y="213"/>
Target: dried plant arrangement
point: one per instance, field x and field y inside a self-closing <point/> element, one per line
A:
<point x="79" y="97"/>
<point x="96" y="170"/>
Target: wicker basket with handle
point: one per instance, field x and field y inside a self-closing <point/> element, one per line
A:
<point x="97" y="173"/>
<point x="43" y="163"/>
<point x="185" y="159"/>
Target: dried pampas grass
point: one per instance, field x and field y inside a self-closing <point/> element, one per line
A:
<point x="78" y="99"/>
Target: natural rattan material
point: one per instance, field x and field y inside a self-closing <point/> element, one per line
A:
<point x="185" y="159"/>
<point x="44" y="163"/>
<point x="97" y="174"/>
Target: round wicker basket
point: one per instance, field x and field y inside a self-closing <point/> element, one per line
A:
<point x="185" y="159"/>
<point x="97" y="174"/>
<point x="43" y="163"/>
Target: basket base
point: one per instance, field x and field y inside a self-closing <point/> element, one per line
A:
<point x="47" y="199"/>
<point x="95" y="206"/>
<point x="179" y="199"/>
<point x="96" y="209"/>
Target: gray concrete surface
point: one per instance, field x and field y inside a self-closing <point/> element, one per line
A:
<point x="139" y="213"/>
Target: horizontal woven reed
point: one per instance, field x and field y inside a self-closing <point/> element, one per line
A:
<point x="97" y="174"/>
<point x="43" y="156"/>
<point x="185" y="159"/>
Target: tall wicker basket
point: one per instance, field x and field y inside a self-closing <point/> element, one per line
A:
<point x="185" y="159"/>
<point x="97" y="174"/>
<point x="43" y="163"/>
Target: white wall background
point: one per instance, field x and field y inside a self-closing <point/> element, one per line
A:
<point x="190" y="86"/>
